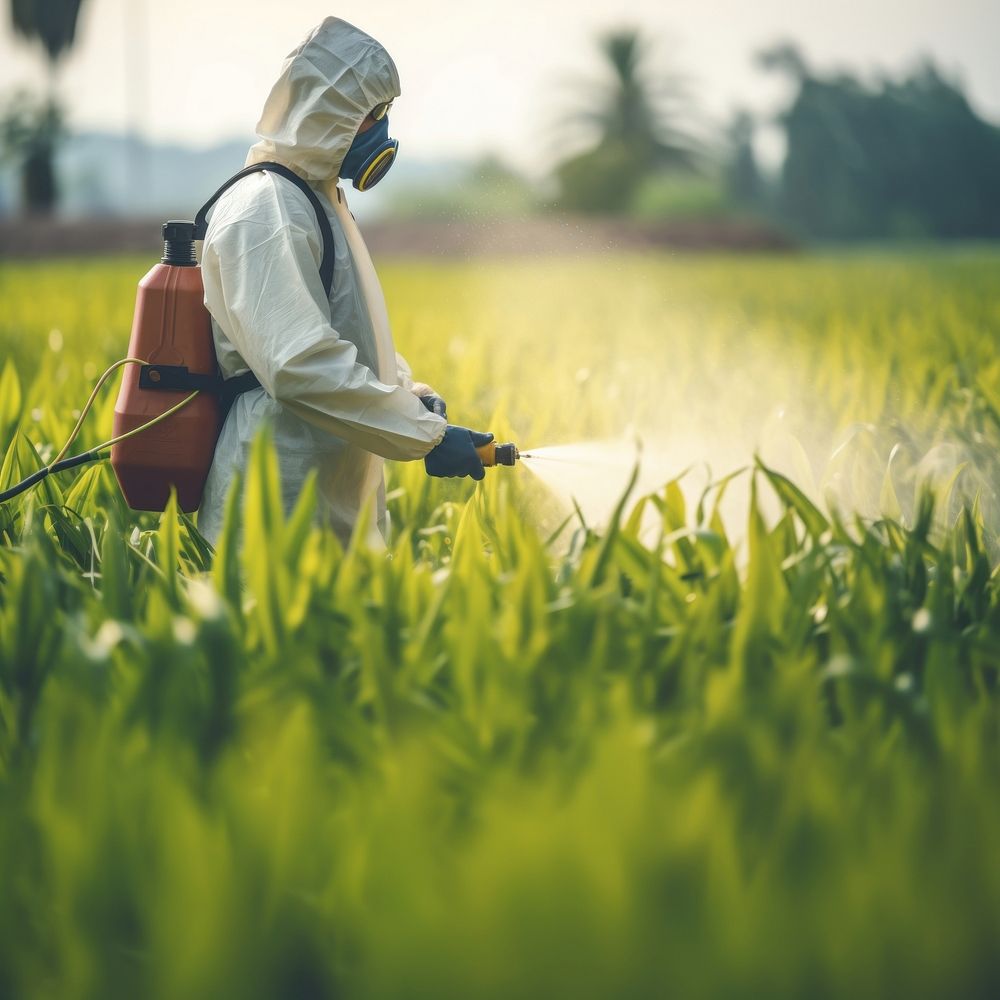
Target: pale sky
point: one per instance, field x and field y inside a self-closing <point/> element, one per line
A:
<point x="477" y="77"/>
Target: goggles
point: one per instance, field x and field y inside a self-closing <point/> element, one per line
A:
<point x="380" y="111"/>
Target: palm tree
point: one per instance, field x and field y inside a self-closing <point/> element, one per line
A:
<point x="630" y="120"/>
<point x="53" y="23"/>
<point x="633" y="109"/>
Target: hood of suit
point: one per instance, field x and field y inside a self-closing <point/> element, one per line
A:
<point x="326" y="88"/>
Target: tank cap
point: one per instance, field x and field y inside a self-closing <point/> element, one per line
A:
<point x="178" y="230"/>
<point x="178" y="243"/>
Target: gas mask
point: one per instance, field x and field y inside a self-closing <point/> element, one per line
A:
<point x="370" y="156"/>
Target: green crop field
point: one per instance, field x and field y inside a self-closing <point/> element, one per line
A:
<point x="742" y="738"/>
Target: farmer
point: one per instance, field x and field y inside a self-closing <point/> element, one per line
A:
<point x="337" y="395"/>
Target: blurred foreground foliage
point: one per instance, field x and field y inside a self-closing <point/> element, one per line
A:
<point x="711" y="758"/>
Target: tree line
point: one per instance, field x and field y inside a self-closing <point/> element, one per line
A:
<point x="905" y="157"/>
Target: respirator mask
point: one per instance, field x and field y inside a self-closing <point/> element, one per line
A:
<point x="372" y="153"/>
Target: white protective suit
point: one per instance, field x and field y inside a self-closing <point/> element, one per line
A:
<point x="332" y="390"/>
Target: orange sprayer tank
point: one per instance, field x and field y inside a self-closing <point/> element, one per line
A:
<point x="171" y="326"/>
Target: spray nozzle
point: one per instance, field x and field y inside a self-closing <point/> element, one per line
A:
<point x="498" y="454"/>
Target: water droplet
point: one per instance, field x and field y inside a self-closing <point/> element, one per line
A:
<point x="108" y="636"/>
<point x="204" y="599"/>
<point x="184" y="631"/>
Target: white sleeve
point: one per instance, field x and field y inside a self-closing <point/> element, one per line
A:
<point x="404" y="372"/>
<point x="260" y="267"/>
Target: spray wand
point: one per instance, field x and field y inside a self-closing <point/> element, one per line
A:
<point x="498" y="454"/>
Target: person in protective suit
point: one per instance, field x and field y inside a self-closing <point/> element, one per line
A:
<point x="337" y="395"/>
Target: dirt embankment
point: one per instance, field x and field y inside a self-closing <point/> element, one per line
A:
<point x="33" y="238"/>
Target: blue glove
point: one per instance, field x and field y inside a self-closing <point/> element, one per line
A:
<point x="456" y="454"/>
<point x="435" y="404"/>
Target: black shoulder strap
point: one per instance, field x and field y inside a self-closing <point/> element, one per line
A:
<point x="177" y="377"/>
<point x="326" y="265"/>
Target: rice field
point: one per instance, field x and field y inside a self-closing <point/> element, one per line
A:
<point x="733" y="733"/>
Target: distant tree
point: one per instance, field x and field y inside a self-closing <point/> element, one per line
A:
<point x="632" y="128"/>
<point x="742" y="177"/>
<point x="784" y="57"/>
<point x="53" y="24"/>
<point x="906" y="158"/>
<point x="29" y="132"/>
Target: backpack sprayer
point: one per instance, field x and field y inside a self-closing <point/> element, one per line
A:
<point x="173" y="402"/>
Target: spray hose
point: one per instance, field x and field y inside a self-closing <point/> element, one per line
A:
<point x="60" y="463"/>
<point x="491" y="454"/>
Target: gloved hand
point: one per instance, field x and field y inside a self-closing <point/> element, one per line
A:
<point x="435" y="404"/>
<point x="430" y="399"/>
<point x="455" y="455"/>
